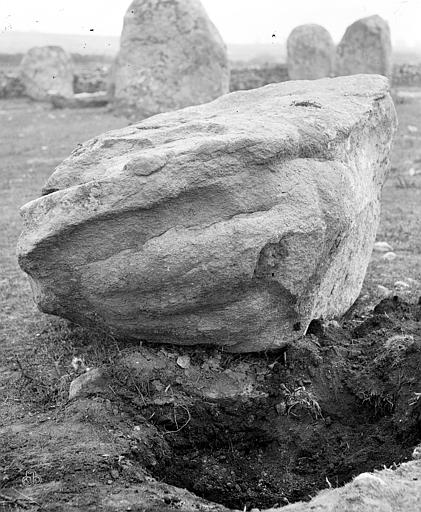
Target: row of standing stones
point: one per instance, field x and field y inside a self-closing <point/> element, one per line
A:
<point x="234" y="223"/>
<point x="172" y="56"/>
<point x="365" y="48"/>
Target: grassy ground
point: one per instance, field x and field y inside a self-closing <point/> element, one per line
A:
<point x="36" y="351"/>
<point x="400" y="222"/>
<point x="33" y="140"/>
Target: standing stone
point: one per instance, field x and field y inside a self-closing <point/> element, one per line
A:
<point x="310" y="51"/>
<point x="365" y="48"/>
<point x="44" y="69"/>
<point x="233" y="223"/>
<point x="171" y="56"/>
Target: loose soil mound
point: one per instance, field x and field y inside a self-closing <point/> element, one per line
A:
<point x="239" y="430"/>
<point x="332" y="406"/>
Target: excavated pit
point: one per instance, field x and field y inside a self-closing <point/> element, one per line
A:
<point x="260" y="430"/>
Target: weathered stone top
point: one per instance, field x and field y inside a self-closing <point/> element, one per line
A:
<point x="293" y="113"/>
<point x="291" y="116"/>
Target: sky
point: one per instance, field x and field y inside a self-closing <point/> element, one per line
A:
<point x="239" y="21"/>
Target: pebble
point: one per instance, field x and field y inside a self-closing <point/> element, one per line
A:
<point x="368" y="480"/>
<point x="383" y="291"/>
<point x="280" y="408"/>
<point x="333" y="323"/>
<point x="382" y="247"/>
<point x="89" y="382"/>
<point x="399" y="342"/>
<point x="389" y="256"/>
<point x="184" y="362"/>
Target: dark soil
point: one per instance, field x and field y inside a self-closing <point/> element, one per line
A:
<point x="320" y="413"/>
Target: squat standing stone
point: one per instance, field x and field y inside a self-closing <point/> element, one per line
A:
<point x="171" y="56"/>
<point x="365" y="48"/>
<point x="311" y="53"/>
<point x="44" y="69"/>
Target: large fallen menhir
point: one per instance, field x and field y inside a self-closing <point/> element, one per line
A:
<point x="232" y="223"/>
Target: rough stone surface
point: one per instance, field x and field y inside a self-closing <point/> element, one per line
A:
<point x="171" y="56"/>
<point x="233" y="223"/>
<point x="365" y="48"/>
<point x="44" y="69"/>
<point x="310" y="52"/>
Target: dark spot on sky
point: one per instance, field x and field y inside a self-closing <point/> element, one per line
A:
<point x="91" y="30"/>
<point x="273" y="35"/>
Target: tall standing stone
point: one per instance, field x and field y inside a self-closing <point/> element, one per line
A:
<point x="44" y="69"/>
<point x="311" y="52"/>
<point x="365" y="48"/>
<point x="171" y="56"/>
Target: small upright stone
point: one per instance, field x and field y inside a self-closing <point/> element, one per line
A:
<point x="47" y="69"/>
<point x="311" y="52"/>
<point x="365" y="48"/>
<point x="171" y="56"/>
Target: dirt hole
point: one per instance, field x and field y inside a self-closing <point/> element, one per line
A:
<point x="311" y="417"/>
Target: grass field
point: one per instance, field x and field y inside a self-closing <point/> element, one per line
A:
<point x="36" y="351"/>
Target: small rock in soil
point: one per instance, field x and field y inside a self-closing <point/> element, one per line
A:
<point x="87" y="383"/>
<point x="382" y="247"/>
<point x="401" y="285"/>
<point x="183" y="362"/>
<point x="389" y="256"/>
<point x="400" y="342"/>
<point x="383" y="291"/>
